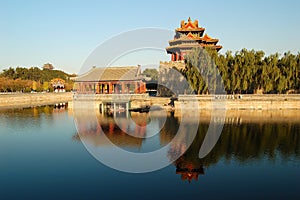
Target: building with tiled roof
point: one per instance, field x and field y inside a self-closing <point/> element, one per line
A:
<point x="111" y="80"/>
<point x="187" y="37"/>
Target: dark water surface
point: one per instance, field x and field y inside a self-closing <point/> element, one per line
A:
<point x="42" y="157"/>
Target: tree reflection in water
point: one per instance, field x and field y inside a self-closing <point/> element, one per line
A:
<point x="242" y="142"/>
<point x="244" y="139"/>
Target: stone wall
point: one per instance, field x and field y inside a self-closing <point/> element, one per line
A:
<point x="33" y="99"/>
<point x="241" y="102"/>
<point x="170" y="79"/>
<point x="205" y="102"/>
<point x="171" y="64"/>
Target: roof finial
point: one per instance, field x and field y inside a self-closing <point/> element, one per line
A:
<point x="189" y="19"/>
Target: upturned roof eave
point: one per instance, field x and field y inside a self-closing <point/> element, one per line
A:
<point x="189" y="29"/>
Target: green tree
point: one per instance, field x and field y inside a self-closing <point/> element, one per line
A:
<point x="8" y="73"/>
<point x="151" y="73"/>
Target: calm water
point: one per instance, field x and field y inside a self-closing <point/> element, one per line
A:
<point x="42" y="156"/>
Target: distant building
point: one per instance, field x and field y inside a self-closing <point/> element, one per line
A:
<point x="48" y="66"/>
<point x="111" y="80"/>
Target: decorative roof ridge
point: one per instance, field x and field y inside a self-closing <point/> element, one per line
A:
<point x="118" y="67"/>
<point x="189" y="24"/>
<point x="101" y="70"/>
<point x="88" y="72"/>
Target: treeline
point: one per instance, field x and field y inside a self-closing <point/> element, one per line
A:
<point x="243" y="72"/>
<point x="31" y="79"/>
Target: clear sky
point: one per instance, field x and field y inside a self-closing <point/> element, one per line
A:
<point x="64" y="33"/>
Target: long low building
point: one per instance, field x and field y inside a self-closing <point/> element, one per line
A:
<point x="111" y="80"/>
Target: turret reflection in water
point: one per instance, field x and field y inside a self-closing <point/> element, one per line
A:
<point x="244" y="139"/>
<point x="271" y="139"/>
<point x="189" y="166"/>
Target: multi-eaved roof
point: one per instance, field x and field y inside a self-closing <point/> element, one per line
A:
<point x="189" y="36"/>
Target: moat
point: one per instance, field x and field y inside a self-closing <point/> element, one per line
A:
<point x="43" y="156"/>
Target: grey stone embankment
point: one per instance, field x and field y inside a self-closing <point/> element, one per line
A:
<point x="241" y="102"/>
<point x="20" y="100"/>
<point x="205" y="102"/>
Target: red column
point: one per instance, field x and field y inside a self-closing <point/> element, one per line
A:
<point x="177" y="56"/>
<point x="109" y="88"/>
<point x="173" y="57"/>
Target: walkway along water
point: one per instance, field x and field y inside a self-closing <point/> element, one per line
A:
<point x="232" y="102"/>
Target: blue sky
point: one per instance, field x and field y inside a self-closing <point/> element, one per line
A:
<point x="64" y="33"/>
